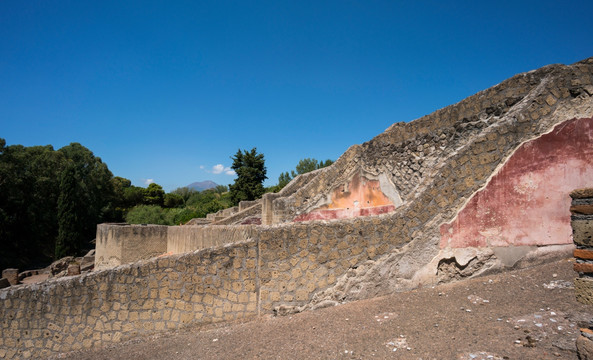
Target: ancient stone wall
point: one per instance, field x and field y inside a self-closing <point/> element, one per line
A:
<point x="118" y="244"/>
<point x="108" y="306"/>
<point x="248" y="215"/>
<point x="181" y="239"/>
<point x="582" y="233"/>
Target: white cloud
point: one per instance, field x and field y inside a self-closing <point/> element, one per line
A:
<point x="217" y="169"/>
<point x="148" y="181"/>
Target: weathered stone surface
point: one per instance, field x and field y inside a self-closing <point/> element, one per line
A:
<point x="583" y="288"/>
<point x="583" y="268"/>
<point x="12" y="275"/>
<point x="584" y="348"/>
<point x="582" y="230"/>
<point x="582" y="193"/>
<point x="584" y="209"/>
<point x="60" y="265"/>
<point x="73" y="269"/>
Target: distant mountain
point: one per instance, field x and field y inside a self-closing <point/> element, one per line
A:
<point x="202" y="185"/>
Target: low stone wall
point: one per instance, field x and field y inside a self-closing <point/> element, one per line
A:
<point x="243" y="216"/>
<point x="118" y="244"/>
<point x="109" y="306"/>
<point x="244" y="205"/>
<point x="182" y="239"/>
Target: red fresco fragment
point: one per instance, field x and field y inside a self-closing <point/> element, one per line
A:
<point x="361" y="197"/>
<point x="330" y="214"/>
<point x="527" y="201"/>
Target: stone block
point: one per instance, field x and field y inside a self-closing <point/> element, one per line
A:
<point x="582" y="230"/>
<point x="12" y="275"/>
<point x="582" y="193"/>
<point x="582" y="209"/>
<point x="583" y="288"/>
<point x="585" y="348"/>
<point x="73" y="269"/>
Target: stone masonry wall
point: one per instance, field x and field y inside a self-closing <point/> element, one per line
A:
<point x="118" y="244"/>
<point x="108" y="306"/>
<point x="181" y="239"/>
<point x="582" y="232"/>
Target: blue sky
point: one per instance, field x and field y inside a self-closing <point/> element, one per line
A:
<point x="169" y="90"/>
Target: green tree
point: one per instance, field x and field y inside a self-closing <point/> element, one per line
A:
<point x="220" y="189"/>
<point x="307" y="165"/>
<point x="30" y="179"/>
<point x="184" y="192"/>
<point x="69" y="232"/>
<point x="29" y="189"/>
<point x="251" y="173"/>
<point x="284" y="179"/>
<point x="172" y="200"/>
<point x="133" y="195"/>
<point x="154" y="195"/>
<point x="94" y="190"/>
<point x="146" y="214"/>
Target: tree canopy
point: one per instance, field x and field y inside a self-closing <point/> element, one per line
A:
<point x="251" y="173"/>
<point x="32" y="179"/>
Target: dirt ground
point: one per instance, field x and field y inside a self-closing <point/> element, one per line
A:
<point x="523" y="314"/>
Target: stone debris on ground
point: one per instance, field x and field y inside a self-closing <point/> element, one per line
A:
<point x="482" y="355"/>
<point x="539" y="326"/>
<point x="384" y="317"/>
<point x="559" y="284"/>
<point x="400" y="343"/>
<point x="474" y="299"/>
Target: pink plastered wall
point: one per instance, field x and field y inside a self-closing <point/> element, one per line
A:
<point x="527" y="201"/>
<point x="360" y="197"/>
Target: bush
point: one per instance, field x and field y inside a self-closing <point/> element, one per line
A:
<point x="146" y="214"/>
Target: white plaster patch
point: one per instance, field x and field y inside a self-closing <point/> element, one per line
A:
<point x="389" y="190"/>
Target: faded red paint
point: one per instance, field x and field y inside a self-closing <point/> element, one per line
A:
<point x="360" y="197"/>
<point x="344" y="213"/>
<point x="252" y="221"/>
<point x="527" y="202"/>
<point x="359" y="193"/>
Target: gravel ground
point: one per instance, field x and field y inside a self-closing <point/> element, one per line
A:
<point x="523" y="314"/>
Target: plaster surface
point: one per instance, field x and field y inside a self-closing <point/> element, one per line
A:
<point x="526" y="202"/>
<point x="361" y="196"/>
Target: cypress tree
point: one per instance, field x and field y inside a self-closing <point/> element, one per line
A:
<point x="69" y="233"/>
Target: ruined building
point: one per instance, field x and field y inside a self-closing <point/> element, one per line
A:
<point x="478" y="186"/>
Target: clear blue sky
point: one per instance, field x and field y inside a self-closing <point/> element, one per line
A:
<point x="166" y="90"/>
